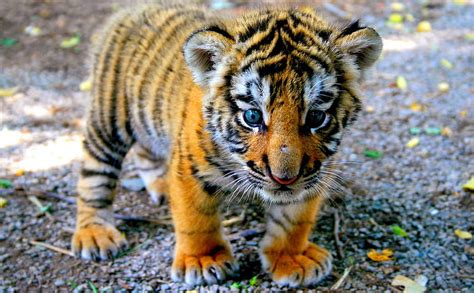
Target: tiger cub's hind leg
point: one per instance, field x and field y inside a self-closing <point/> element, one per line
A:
<point x="152" y="170"/>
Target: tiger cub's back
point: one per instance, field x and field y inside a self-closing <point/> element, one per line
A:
<point x="139" y="74"/>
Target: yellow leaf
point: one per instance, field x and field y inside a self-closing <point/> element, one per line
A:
<point x="446" y="131"/>
<point x="71" y="42"/>
<point x="413" y="142"/>
<point x="409" y="17"/>
<point x="33" y="31"/>
<point x="463" y="114"/>
<point x="86" y="85"/>
<point x="469" y="185"/>
<point x="397" y="6"/>
<point x="3" y="202"/>
<point x="446" y="64"/>
<point x="20" y="172"/>
<point x="443" y="87"/>
<point x="410" y="285"/>
<point x="6" y="92"/>
<point x="460" y="2"/>
<point x="385" y="255"/>
<point x="395" y="18"/>
<point x="469" y="37"/>
<point x="415" y="107"/>
<point x="463" y="234"/>
<point x="402" y="83"/>
<point x="369" y="109"/>
<point x="423" y="27"/>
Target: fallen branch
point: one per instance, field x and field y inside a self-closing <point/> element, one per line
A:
<point x="52" y="247"/>
<point x="339" y="245"/>
<point x="71" y="200"/>
<point x="342" y="279"/>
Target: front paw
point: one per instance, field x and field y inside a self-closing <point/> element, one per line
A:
<point x="306" y="268"/>
<point x="213" y="268"/>
<point x="97" y="242"/>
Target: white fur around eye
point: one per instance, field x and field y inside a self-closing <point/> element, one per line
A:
<point x="327" y="118"/>
<point x="242" y="120"/>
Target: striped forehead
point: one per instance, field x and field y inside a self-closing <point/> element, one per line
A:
<point x="251" y="90"/>
<point x="319" y="92"/>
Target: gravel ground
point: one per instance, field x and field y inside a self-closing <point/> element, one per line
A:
<point x="419" y="189"/>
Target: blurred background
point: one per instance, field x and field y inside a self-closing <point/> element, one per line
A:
<point x="408" y="161"/>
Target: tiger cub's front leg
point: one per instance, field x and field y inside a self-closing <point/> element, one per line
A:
<point x="285" y="250"/>
<point x="201" y="253"/>
<point x="95" y="236"/>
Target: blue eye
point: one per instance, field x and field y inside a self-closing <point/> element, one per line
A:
<point x="253" y="117"/>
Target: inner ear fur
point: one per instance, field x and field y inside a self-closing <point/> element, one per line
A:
<point x="362" y="43"/>
<point x="204" y="49"/>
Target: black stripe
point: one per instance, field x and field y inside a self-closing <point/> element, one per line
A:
<point x="351" y="28"/>
<point x="108" y="185"/>
<point x="212" y="28"/>
<point x="99" y="203"/>
<point x="90" y="173"/>
<point x="278" y="222"/>
<point x="254" y="28"/>
<point x="272" y="68"/>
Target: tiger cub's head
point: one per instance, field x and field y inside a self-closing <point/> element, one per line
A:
<point x="281" y="87"/>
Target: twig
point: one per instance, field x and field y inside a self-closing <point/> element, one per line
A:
<point x="339" y="245"/>
<point x="52" y="247"/>
<point x="40" y="206"/>
<point x="342" y="279"/>
<point x="72" y="200"/>
<point x="237" y="219"/>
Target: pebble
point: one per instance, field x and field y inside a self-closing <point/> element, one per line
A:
<point x="59" y="283"/>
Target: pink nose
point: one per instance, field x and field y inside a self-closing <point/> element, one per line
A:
<point x="285" y="181"/>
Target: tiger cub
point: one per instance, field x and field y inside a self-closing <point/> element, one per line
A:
<point x="217" y="109"/>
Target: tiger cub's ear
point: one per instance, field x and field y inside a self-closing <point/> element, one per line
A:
<point x="204" y="49"/>
<point x="363" y="44"/>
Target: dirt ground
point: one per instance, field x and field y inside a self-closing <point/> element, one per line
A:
<point x="418" y="189"/>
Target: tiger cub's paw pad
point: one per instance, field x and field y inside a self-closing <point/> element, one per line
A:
<point x="98" y="242"/>
<point x="207" y="269"/>
<point x="307" y="268"/>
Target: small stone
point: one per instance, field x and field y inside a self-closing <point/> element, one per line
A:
<point x="59" y="283"/>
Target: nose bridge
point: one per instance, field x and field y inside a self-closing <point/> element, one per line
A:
<point x="285" y="151"/>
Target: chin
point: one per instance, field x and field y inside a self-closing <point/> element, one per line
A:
<point x="282" y="195"/>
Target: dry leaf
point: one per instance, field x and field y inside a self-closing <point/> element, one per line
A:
<point x="410" y="285"/>
<point x="3" y="202"/>
<point x="443" y="87"/>
<point x="463" y="234"/>
<point x="446" y="64"/>
<point x="402" y="83"/>
<point x="7" y="92"/>
<point x="413" y="142"/>
<point x="415" y="107"/>
<point x="446" y="131"/>
<point x="423" y="27"/>
<point x="385" y="255"/>
<point x="20" y="172"/>
<point x="33" y="31"/>
<point x="369" y="109"/>
<point x="395" y="18"/>
<point x="469" y="185"/>
<point x="397" y="6"/>
<point x="86" y="85"/>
